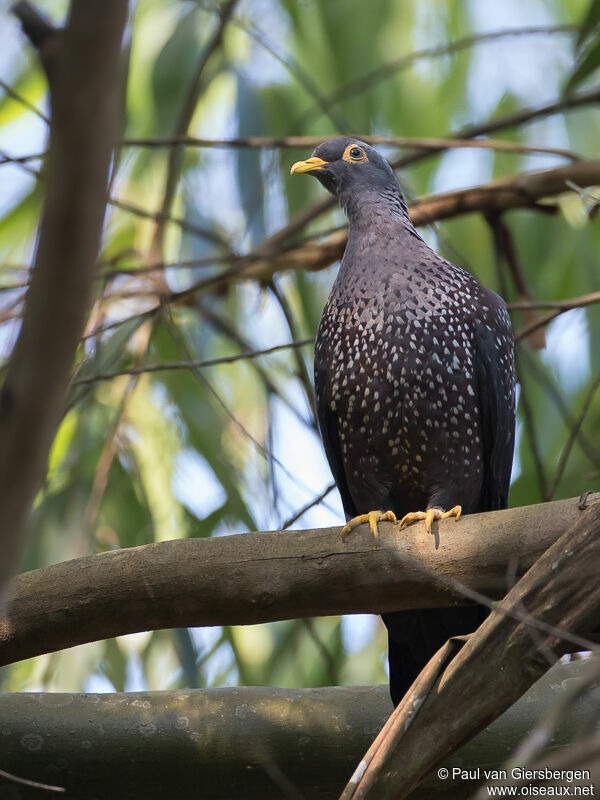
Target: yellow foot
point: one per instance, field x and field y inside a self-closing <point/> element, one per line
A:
<point x="429" y="516"/>
<point x="373" y="517"/>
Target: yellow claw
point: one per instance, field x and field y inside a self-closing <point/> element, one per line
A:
<point x="429" y="516"/>
<point x="373" y="517"/>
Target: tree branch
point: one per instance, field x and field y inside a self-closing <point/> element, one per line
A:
<point x="524" y="190"/>
<point x="505" y="654"/>
<point x="305" y="142"/>
<point x="157" y="744"/>
<point x="186" y="114"/>
<point x="262" y="577"/>
<point x="174" y="365"/>
<point x="84" y="91"/>
<point x="386" y="70"/>
<point x="521" y="117"/>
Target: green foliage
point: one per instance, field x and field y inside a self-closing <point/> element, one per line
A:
<point x="220" y="450"/>
<point x="588" y="51"/>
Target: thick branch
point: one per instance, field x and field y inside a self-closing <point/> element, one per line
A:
<point x="506" y="654"/>
<point x="247" y="742"/>
<point x="84" y="92"/>
<point x="261" y="577"/>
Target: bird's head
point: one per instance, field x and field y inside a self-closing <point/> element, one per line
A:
<point x="351" y="170"/>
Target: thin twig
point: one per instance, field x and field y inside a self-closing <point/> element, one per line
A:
<point x="295" y="70"/>
<point x="385" y="71"/>
<point x="305" y="142"/>
<point x="185" y="117"/>
<point x="517" y="119"/>
<point x="21" y="161"/>
<point x="529" y="421"/>
<point x="302" y="511"/>
<point x="99" y="330"/>
<point x="302" y="371"/>
<point x="531" y="113"/>
<point x="162" y="216"/>
<point x="193" y="365"/>
<point x="23" y="100"/>
<point x="564" y="305"/>
<point x="564" y="456"/>
<point x="553" y="392"/>
<point x="225" y="327"/>
<point x="330" y="663"/>
<point x="265" y="452"/>
<point x="103" y="467"/>
<point x="33" y="784"/>
<point x="506" y="250"/>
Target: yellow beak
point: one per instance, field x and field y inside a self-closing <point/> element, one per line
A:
<point x="307" y="166"/>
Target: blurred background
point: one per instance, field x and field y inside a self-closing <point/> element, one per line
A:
<point x="233" y="447"/>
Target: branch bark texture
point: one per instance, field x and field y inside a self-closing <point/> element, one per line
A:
<point x="84" y="92"/>
<point x="261" y="577"/>
<point x="498" y="663"/>
<point x="251" y="742"/>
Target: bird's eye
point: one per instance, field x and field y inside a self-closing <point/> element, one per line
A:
<point x="355" y="154"/>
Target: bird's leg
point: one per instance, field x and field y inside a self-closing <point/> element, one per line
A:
<point x="429" y="516"/>
<point x="373" y="517"/>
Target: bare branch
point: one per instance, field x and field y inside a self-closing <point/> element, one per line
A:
<point x="524" y="190"/>
<point x="32" y="784"/>
<point x="527" y="115"/>
<point x="279" y="575"/>
<point x="433" y="719"/>
<point x="385" y="71"/>
<point x="163" y="216"/>
<point x="506" y="253"/>
<point x="225" y="10"/>
<point x="530" y="430"/>
<point x="564" y="305"/>
<point x="295" y="70"/>
<point x="20" y="99"/>
<point x="313" y="736"/>
<point x="561" y="306"/>
<point x="519" y="118"/>
<point x="547" y="383"/>
<point x="306" y="142"/>
<point x="564" y="456"/>
<point x="314" y="502"/>
<point x="171" y="365"/>
<point x="84" y="87"/>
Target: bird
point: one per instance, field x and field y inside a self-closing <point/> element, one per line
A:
<point x="414" y="383"/>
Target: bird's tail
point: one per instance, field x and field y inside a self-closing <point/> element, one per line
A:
<point x="415" y="636"/>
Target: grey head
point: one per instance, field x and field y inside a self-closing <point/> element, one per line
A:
<point x="354" y="172"/>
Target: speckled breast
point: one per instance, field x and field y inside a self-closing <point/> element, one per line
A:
<point x="400" y="382"/>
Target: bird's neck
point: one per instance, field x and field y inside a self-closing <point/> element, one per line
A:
<point x="377" y="212"/>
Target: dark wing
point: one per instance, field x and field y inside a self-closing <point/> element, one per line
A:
<point x="494" y="368"/>
<point x="328" y="423"/>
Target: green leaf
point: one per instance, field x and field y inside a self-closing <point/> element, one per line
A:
<point x="172" y="72"/>
<point x="30" y="85"/>
<point x="250" y="178"/>
<point x="589" y="63"/>
<point x="592" y="19"/>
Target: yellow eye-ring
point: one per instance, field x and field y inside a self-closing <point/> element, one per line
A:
<point x="355" y="154"/>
